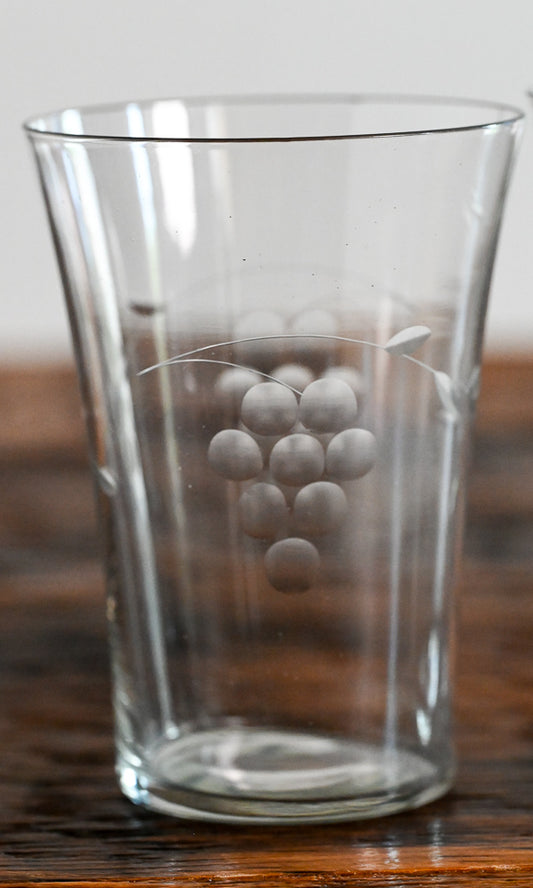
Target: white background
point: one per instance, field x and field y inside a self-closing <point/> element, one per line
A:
<point x="56" y="53"/>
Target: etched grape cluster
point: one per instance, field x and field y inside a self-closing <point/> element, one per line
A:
<point x="293" y="443"/>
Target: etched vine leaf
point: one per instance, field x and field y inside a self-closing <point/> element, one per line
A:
<point x="474" y="384"/>
<point x="407" y="341"/>
<point x="445" y="391"/>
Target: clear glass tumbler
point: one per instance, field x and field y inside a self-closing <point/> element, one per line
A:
<point x="277" y="308"/>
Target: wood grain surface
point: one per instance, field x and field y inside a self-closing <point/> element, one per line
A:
<point x="62" y="818"/>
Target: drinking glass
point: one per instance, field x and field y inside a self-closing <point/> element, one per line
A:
<point x="277" y="309"/>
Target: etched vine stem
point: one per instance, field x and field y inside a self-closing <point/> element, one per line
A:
<point x="402" y="344"/>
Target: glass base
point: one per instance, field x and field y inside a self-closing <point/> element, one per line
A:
<point x="245" y="775"/>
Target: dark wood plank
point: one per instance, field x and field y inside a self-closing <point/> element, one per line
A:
<point x="62" y="819"/>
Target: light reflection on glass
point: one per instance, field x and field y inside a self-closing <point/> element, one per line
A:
<point x="176" y="173"/>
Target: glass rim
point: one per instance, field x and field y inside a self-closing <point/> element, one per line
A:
<point x="497" y="114"/>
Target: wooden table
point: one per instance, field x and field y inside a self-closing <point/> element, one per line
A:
<point x="62" y="819"/>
